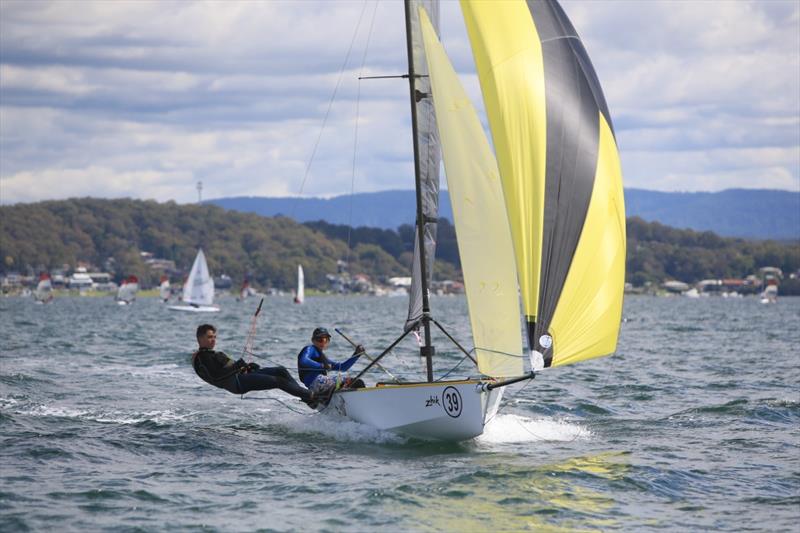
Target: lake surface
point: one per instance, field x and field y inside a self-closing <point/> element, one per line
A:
<point x="693" y="424"/>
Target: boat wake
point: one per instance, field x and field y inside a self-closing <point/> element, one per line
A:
<point x="511" y="428"/>
<point x="345" y="430"/>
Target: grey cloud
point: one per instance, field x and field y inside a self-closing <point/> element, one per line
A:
<point x="234" y="93"/>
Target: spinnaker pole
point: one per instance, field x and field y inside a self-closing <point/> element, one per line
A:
<point x="427" y="350"/>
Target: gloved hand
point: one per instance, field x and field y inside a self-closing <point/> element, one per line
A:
<point x="252" y="367"/>
<point x="240" y="365"/>
<point x="359" y="350"/>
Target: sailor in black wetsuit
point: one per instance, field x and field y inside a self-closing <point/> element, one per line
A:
<point x="238" y="377"/>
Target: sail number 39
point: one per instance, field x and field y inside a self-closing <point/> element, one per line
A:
<point x="452" y="402"/>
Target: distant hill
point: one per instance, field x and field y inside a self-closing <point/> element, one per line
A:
<point x="746" y="213"/>
<point x="385" y="210"/>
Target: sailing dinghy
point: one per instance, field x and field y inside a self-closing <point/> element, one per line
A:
<point x="44" y="289"/>
<point x="164" y="290"/>
<point x="126" y="293"/>
<point x="198" y="290"/>
<point x="543" y="224"/>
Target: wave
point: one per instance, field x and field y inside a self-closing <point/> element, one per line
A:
<point x="764" y="409"/>
<point x="160" y="418"/>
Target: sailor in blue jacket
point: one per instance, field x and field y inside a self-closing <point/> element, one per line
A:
<point x="313" y="364"/>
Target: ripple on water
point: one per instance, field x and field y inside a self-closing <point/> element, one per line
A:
<point x="705" y="438"/>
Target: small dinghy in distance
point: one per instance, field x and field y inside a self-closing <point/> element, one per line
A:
<point x="126" y="294"/>
<point x="44" y="289"/>
<point x="198" y="291"/>
<point x="300" y="293"/>
<point x="164" y="290"/>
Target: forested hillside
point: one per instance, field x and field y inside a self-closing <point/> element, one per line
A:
<point x="48" y="235"/>
<point x="112" y="233"/>
<point x="657" y="252"/>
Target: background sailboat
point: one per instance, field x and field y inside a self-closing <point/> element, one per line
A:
<point x="245" y="290"/>
<point x="164" y="290"/>
<point x="126" y="293"/>
<point x="770" y="294"/>
<point x="557" y="197"/>
<point x="44" y="289"/>
<point x="198" y="290"/>
<point x="300" y="294"/>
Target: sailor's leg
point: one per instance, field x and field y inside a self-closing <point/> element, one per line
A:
<point x="260" y="380"/>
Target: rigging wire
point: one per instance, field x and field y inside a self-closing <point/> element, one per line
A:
<point x="355" y="132"/>
<point x="453" y="369"/>
<point x="328" y="111"/>
<point x="247" y="350"/>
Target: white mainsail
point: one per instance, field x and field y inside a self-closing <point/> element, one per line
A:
<point x="199" y="287"/>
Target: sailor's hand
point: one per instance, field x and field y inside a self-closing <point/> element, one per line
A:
<point x="252" y="367"/>
<point x="326" y="366"/>
<point x="359" y="350"/>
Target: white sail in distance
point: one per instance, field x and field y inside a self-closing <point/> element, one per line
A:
<point x="199" y="287"/>
<point x="164" y="290"/>
<point x="300" y="295"/>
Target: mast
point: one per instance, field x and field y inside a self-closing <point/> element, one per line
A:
<point x="427" y="350"/>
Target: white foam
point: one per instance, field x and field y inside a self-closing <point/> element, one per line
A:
<point x="509" y="428"/>
<point x="343" y="429"/>
<point x="113" y="417"/>
<point x="7" y="402"/>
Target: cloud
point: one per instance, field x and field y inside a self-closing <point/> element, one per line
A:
<point x="144" y="99"/>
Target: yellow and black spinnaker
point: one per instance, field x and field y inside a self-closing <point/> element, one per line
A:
<point x="560" y="171"/>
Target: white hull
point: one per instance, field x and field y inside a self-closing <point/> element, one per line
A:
<point x="195" y="309"/>
<point x="449" y="411"/>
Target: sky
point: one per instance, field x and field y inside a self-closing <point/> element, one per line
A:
<point x="145" y="99"/>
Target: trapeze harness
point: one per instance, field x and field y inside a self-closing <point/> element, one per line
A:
<point x="216" y="368"/>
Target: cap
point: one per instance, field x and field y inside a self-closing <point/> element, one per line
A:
<point x="319" y="333"/>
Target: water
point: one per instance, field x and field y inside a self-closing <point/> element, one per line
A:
<point x="694" y="424"/>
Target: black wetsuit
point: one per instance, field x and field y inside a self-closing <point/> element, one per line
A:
<point x="217" y="369"/>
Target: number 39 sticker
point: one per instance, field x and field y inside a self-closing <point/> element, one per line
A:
<point x="452" y="402"/>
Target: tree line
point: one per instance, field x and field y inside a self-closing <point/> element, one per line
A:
<point x="111" y="234"/>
